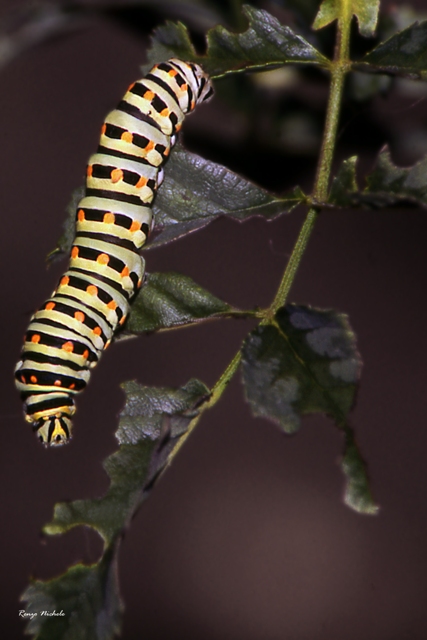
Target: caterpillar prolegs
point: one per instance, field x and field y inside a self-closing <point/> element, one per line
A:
<point x="67" y="335"/>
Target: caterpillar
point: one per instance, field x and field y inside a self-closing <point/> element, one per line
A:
<point x="67" y="335"/>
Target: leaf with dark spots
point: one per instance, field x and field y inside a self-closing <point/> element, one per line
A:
<point x="305" y="362"/>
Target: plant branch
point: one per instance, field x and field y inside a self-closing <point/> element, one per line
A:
<point x="339" y="68"/>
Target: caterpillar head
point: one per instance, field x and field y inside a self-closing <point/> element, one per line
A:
<point x="53" y="429"/>
<point x="197" y="79"/>
<point x="204" y="84"/>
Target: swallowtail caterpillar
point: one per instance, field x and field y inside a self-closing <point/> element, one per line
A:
<point x="68" y="334"/>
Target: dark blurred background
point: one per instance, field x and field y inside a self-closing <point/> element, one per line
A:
<point x="246" y="537"/>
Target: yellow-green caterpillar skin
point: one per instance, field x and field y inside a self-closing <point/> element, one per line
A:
<point x="67" y="335"/>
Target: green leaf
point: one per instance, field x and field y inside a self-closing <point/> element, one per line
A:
<point x="85" y="599"/>
<point x="405" y="53"/>
<point x="305" y="362"/>
<point x="387" y="185"/>
<point x="196" y="191"/>
<point x="366" y="12"/>
<point x="265" y="43"/>
<point x="151" y="424"/>
<point x="172" y="300"/>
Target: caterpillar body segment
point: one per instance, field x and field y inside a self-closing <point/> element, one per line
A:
<point x="68" y="334"/>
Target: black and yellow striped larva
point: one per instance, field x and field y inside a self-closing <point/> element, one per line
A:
<point x="67" y="335"/>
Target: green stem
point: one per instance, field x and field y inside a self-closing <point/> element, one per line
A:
<point x="339" y="69"/>
<point x="217" y="391"/>
<point x="292" y="266"/>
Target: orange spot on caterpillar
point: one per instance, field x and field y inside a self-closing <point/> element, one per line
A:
<point x="75" y="252"/>
<point x="50" y="305"/>
<point x="72" y="386"/>
<point x="86" y="354"/>
<point x="141" y="183"/>
<point x="89" y="170"/>
<point x="109" y="218"/>
<point x="184" y="87"/>
<point x="103" y="129"/>
<point x="116" y="175"/>
<point x="23" y="379"/>
<point x="97" y="331"/>
<point x="125" y="272"/>
<point x="127" y="136"/>
<point x="92" y="290"/>
<point x="33" y="379"/>
<point x="68" y="346"/>
<point x="193" y="105"/>
<point x="122" y="320"/>
<point x="64" y="281"/>
<point x="107" y="344"/>
<point x="164" y="113"/>
<point x="149" y="146"/>
<point x="103" y="258"/>
<point x="79" y="316"/>
<point x="80" y="215"/>
<point x="178" y="127"/>
<point x="131" y="86"/>
<point x="57" y="383"/>
<point x="135" y="226"/>
<point x="112" y="305"/>
<point x="149" y="95"/>
<point x="172" y="73"/>
<point x="36" y="338"/>
<point x="166" y="152"/>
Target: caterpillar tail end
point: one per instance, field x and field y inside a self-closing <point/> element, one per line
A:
<point x="53" y="430"/>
